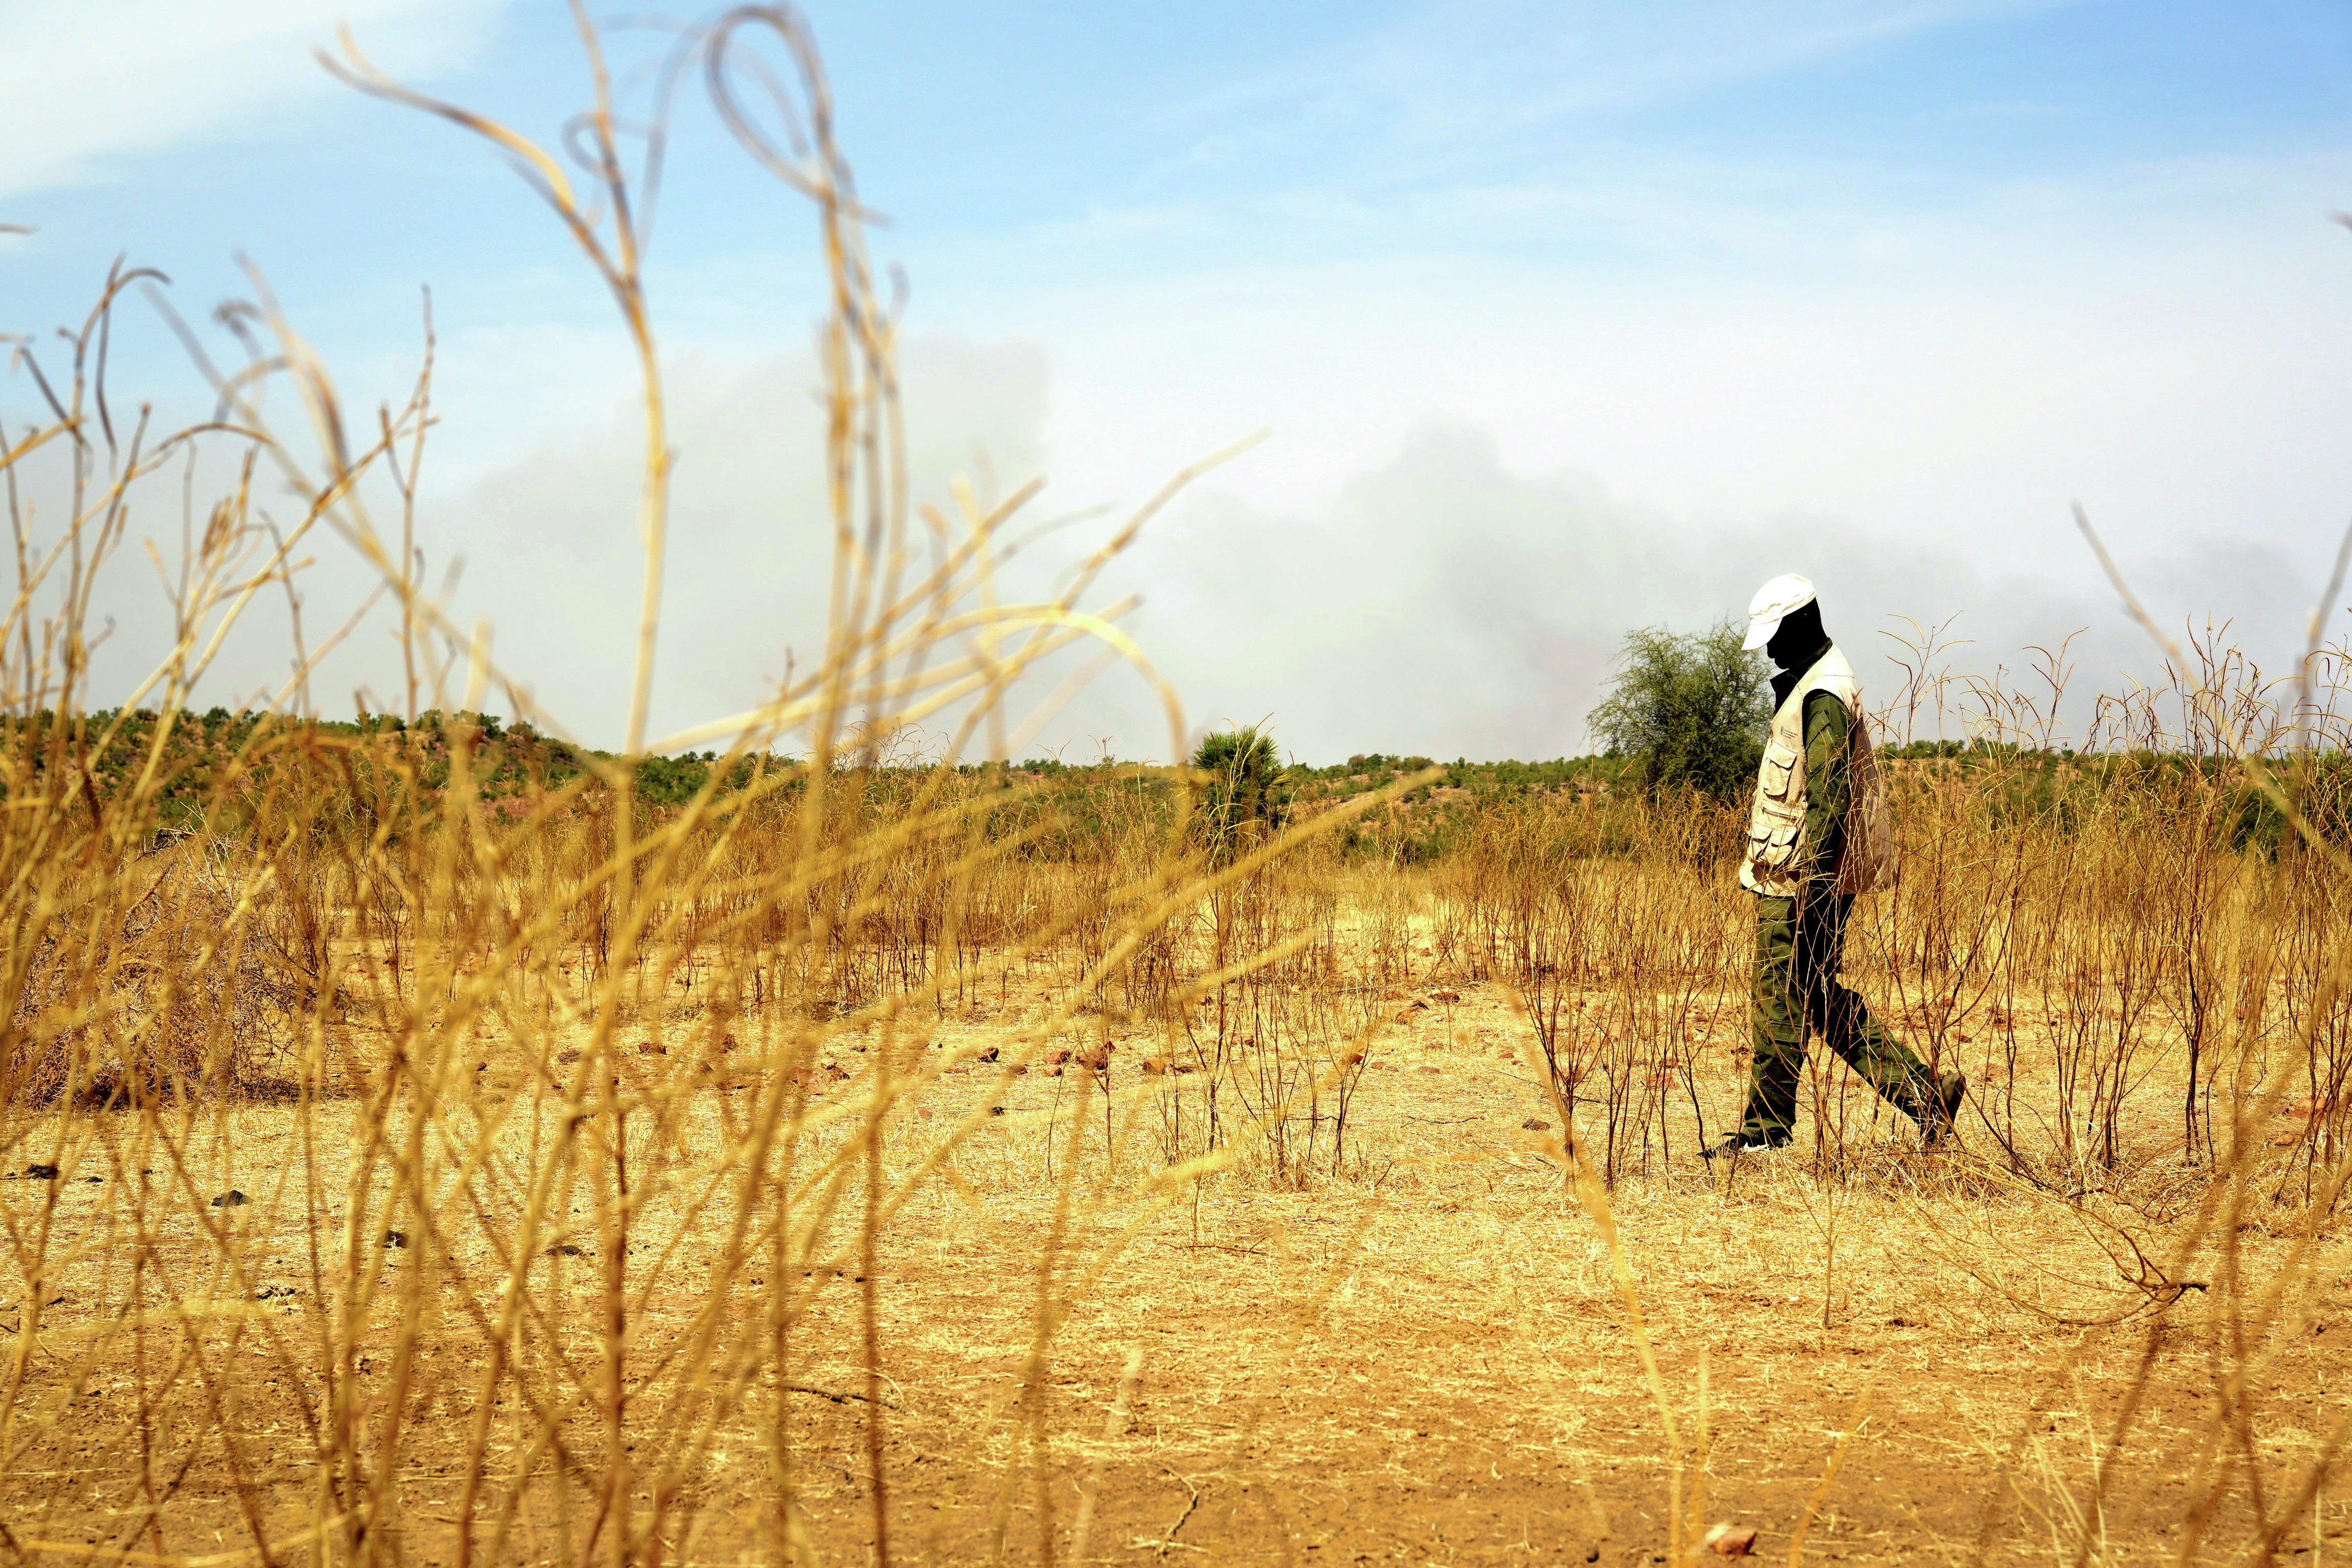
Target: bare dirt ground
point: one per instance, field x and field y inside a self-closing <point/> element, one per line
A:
<point x="1425" y="1360"/>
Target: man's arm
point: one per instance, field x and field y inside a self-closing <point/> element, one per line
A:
<point x="1829" y="784"/>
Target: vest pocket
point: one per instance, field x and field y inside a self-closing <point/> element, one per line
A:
<point x="1772" y="844"/>
<point x="1777" y="820"/>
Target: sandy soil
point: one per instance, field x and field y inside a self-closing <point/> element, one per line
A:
<point x="1423" y="1359"/>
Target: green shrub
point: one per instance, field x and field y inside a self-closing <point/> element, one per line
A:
<point x="1687" y="710"/>
<point x="1243" y="796"/>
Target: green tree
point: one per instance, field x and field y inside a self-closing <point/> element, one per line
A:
<point x="1242" y="797"/>
<point x="1687" y="710"/>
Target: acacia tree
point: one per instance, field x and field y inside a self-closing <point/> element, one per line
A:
<point x="1687" y="709"/>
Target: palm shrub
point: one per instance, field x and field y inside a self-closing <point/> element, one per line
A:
<point x="1687" y="711"/>
<point x="1242" y="797"/>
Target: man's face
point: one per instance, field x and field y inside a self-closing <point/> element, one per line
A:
<point x="1794" y="638"/>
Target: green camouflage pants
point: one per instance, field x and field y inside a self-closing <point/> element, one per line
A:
<point x="1798" y="943"/>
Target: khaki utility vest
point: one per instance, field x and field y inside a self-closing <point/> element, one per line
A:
<point x="1776" y="824"/>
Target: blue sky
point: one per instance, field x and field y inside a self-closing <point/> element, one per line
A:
<point x="1567" y="318"/>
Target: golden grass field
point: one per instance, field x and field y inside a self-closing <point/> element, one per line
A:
<point x="872" y="1159"/>
<point x="1412" y="1345"/>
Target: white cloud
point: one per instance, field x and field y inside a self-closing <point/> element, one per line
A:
<point x="1465" y="74"/>
<point x="83" y="82"/>
<point x="2166" y="345"/>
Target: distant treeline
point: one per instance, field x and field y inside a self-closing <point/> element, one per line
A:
<point x="1060" y="809"/>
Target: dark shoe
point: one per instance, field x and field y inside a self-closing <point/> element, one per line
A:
<point x="1950" y="1090"/>
<point x="1740" y="1143"/>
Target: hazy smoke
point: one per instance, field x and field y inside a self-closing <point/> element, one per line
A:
<point x="1448" y="606"/>
<point x="1442" y="604"/>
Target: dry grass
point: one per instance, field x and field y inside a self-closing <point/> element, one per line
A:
<point x="864" y="1164"/>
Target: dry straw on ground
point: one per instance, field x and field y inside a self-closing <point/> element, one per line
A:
<point x="881" y="1160"/>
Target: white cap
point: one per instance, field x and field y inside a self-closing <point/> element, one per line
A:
<point x="1772" y="604"/>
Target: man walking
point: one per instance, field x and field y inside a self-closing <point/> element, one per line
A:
<point x="1817" y="835"/>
